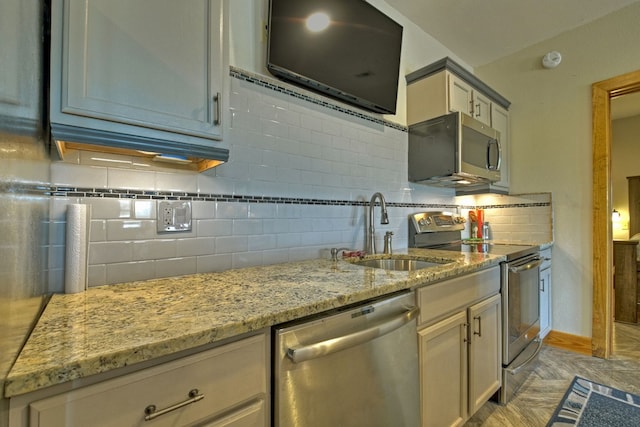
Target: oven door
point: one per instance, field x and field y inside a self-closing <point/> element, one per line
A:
<point x="520" y="305"/>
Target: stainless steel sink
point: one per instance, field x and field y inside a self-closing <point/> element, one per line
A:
<point x="398" y="264"/>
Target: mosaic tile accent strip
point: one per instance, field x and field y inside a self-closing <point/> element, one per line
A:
<point x="278" y="86"/>
<point x="119" y="193"/>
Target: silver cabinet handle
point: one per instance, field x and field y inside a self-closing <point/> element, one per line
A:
<point x="479" y="333"/>
<point x="216" y="106"/>
<point x="478" y="110"/>
<point x="528" y="266"/>
<point x="151" y="412"/>
<point x="332" y="345"/>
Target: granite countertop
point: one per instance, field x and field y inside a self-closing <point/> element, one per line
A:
<point x="113" y="326"/>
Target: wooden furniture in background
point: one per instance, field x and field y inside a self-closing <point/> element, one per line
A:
<point x="625" y="280"/>
<point x="634" y="204"/>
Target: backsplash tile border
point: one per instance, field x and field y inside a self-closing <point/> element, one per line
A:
<point x="281" y="87"/>
<point x="120" y="193"/>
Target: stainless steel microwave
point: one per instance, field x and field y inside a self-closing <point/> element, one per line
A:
<point x="453" y="150"/>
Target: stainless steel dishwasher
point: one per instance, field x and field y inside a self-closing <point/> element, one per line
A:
<point x="356" y="366"/>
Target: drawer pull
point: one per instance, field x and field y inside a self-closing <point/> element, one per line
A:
<point x="151" y="412"/>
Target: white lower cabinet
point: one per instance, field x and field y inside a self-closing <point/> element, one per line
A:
<point x="460" y="347"/>
<point x="224" y="386"/>
<point x="545" y="293"/>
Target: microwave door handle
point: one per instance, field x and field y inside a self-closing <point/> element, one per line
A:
<point x="497" y="165"/>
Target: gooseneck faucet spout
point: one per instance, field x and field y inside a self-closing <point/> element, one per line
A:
<point x="384" y="219"/>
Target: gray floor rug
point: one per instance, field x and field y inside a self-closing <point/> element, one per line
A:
<point x="590" y="404"/>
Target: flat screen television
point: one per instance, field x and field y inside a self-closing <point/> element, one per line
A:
<point x="346" y="49"/>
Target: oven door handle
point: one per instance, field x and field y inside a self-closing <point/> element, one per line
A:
<point x="323" y="348"/>
<point x="537" y="262"/>
<point x="514" y="371"/>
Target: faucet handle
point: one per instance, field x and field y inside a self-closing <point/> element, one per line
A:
<point x="335" y="251"/>
<point x="387" y="242"/>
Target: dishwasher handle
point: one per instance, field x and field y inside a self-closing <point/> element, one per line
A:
<point x="536" y="262"/>
<point x="332" y="345"/>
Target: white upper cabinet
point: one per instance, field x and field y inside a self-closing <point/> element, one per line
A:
<point x="21" y="66"/>
<point x="463" y="97"/>
<point x="140" y="69"/>
<point x="500" y="122"/>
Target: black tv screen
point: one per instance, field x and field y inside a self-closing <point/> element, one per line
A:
<point x="346" y="49"/>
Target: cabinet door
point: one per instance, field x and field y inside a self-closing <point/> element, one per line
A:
<point x="230" y="383"/>
<point x="443" y="372"/>
<point x="481" y="108"/>
<point x="149" y="63"/>
<point x="500" y="122"/>
<point x="21" y="66"/>
<point x="460" y="95"/>
<point x="485" y="352"/>
<point x="545" y="302"/>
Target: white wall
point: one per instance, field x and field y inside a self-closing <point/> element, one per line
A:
<point x="551" y="141"/>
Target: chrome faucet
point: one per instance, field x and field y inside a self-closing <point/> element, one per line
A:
<point x="371" y="237"/>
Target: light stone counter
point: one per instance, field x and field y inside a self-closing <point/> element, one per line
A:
<point x="110" y="327"/>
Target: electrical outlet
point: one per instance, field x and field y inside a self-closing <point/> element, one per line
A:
<point x="174" y="216"/>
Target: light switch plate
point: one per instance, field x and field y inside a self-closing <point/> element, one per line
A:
<point x="174" y="216"/>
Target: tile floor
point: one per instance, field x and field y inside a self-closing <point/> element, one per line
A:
<point x="537" y="399"/>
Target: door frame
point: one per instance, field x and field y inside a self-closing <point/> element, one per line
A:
<point x="602" y="314"/>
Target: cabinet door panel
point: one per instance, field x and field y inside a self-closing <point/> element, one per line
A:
<point x="21" y="65"/>
<point x="545" y="302"/>
<point x="251" y="415"/>
<point x="500" y="122"/>
<point x="485" y="353"/>
<point x="146" y="62"/>
<point x="226" y="376"/>
<point x="481" y="108"/>
<point x="443" y="372"/>
<point x="460" y="95"/>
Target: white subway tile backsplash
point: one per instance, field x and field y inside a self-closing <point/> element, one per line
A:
<point x="231" y="244"/>
<point x="194" y="247"/>
<point x="280" y="146"/>
<point x="276" y="256"/>
<point x="110" y="252"/>
<point x="97" y="275"/>
<point x="226" y="210"/>
<point x="131" y="230"/>
<point x="155" y="249"/>
<point x="67" y="174"/>
<point x="246" y="259"/>
<point x="132" y="179"/>
<point x="289" y="240"/>
<point x="129" y="271"/>
<point x="184" y="182"/>
<point x="261" y="242"/>
<point x="175" y="267"/>
<point x="212" y="263"/>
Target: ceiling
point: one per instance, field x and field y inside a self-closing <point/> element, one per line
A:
<point x="482" y="31"/>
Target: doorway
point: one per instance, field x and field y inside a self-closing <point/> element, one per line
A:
<point x="602" y="313"/>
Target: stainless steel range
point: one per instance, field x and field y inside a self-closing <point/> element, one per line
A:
<point x="520" y="279"/>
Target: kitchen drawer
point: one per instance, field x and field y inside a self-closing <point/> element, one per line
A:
<point x="232" y="380"/>
<point x="440" y="299"/>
